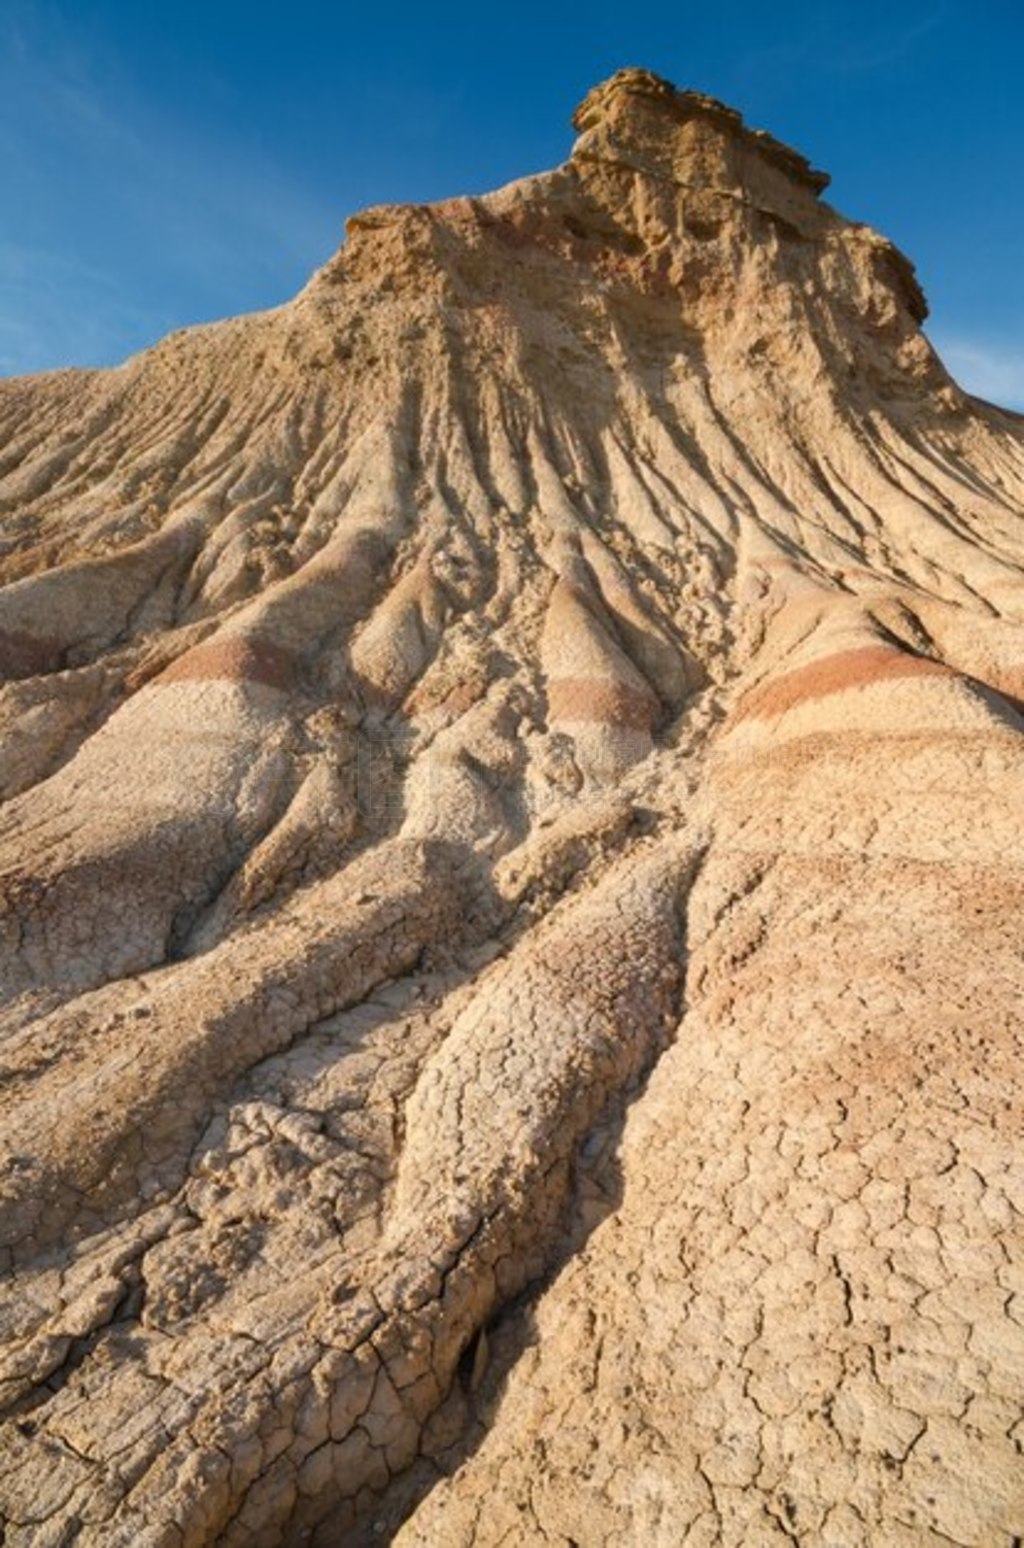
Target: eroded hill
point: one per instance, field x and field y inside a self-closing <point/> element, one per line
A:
<point x="512" y="865"/>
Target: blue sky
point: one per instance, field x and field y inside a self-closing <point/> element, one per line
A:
<point x="168" y="163"/>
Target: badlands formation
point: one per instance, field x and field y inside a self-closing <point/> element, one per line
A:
<point x="512" y="879"/>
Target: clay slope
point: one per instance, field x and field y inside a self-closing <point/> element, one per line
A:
<point x="512" y="869"/>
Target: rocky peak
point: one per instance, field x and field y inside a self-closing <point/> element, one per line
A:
<point x="685" y="165"/>
<point x="667" y="195"/>
<point x="635" y="119"/>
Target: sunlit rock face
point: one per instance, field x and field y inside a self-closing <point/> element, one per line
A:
<point x="512" y="869"/>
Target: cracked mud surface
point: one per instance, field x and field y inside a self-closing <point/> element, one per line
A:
<point x="510" y="889"/>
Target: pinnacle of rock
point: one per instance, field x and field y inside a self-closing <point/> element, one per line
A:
<point x="638" y="109"/>
<point x="511" y="849"/>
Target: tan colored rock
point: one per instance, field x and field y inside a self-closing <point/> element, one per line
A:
<point x="510" y="877"/>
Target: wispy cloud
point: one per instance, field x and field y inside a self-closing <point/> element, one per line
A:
<point x="93" y="167"/>
<point x="987" y="370"/>
<point x="844" y="43"/>
<point x="889" y="45"/>
<point x="56" y="310"/>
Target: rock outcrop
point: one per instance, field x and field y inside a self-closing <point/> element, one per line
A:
<point x="511" y="870"/>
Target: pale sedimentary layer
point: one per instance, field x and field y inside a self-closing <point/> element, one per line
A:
<point x="510" y="880"/>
